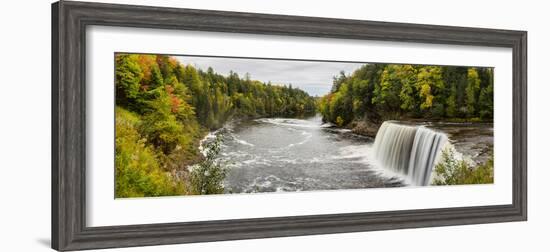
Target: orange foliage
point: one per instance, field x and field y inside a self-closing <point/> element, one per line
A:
<point x="145" y="62"/>
<point x="175" y="101"/>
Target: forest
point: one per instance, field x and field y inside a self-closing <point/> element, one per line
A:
<point x="164" y="108"/>
<point x="378" y="92"/>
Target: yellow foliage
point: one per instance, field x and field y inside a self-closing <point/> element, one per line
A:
<point x="138" y="173"/>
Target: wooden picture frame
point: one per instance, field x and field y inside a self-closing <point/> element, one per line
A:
<point x="69" y="21"/>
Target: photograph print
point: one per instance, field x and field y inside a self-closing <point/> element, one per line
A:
<point x="197" y="125"/>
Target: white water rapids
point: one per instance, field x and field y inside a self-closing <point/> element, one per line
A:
<point x="289" y="155"/>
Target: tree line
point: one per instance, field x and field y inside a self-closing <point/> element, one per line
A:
<point x="164" y="108"/>
<point x="378" y="92"/>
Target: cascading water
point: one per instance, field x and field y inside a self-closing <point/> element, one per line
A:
<point x="409" y="150"/>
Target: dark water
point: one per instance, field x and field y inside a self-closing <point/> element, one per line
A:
<point x="276" y="154"/>
<point x="279" y="154"/>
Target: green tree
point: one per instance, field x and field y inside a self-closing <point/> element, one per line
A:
<point x="176" y="105"/>
<point x="157" y="80"/>
<point x="138" y="172"/>
<point x="360" y="96"/>
<point x="451" y="103"/>
<point x="472" y="92"/>
<point x="377" y="92"/>
<point x="387" y="94"/>
<point x="485" y="101"/>
<point x="341" y="106"/>
<point x="208" y="175"/>
<point x="127" y="79"/>
<point x="161" y="126"/>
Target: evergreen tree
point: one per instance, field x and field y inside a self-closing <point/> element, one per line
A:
<point x="472" y="91"/>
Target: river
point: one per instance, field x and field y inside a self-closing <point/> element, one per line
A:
<point x="280" y="154"/>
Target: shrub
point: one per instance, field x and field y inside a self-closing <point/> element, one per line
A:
<point x="170" y="126"/>
<point x="456" y="171"/>
<point x="208" y="175"/>
<point x="138" y="173"/>
<point x="339" y="121"/>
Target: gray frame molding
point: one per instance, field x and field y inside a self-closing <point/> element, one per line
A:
<point x="69" y="20"/>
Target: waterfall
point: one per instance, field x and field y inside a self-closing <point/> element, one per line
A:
<point x="408" y="150"/>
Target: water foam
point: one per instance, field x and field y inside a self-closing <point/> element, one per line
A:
<point x="290" y="122"/>
<point x="307" y="138"/>
<point x="408" y="150"/>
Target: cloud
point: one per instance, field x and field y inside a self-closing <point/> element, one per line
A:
<point x="311" y="76"/>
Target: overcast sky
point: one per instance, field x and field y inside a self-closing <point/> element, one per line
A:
<point x="312" y="77"/>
